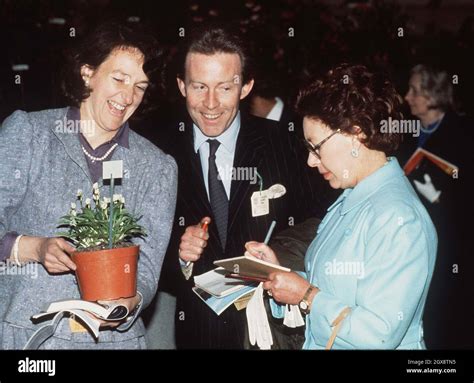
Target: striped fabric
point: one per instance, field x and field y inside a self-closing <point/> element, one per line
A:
<point x="272" y="151"/>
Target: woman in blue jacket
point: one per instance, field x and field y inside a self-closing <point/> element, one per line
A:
<point x="368" y="270"/>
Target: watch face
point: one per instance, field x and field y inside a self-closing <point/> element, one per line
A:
<point x="303" y="305"/>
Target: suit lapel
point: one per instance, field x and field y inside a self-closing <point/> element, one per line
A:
<point x="249" y="152"/>
<point x="192" y="175"/>
<point x="72" y="146"/>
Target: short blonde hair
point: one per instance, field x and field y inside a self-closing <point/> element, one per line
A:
<point x="435" y="84"/>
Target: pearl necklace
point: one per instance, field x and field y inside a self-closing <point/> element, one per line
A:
<point x="94" y="159"/>
<point x="429" y="131"/>
<point x="435" y="126"/>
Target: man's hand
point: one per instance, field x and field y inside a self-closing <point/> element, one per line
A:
<point x="193" y="242"/>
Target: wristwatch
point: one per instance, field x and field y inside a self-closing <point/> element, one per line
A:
<point x="304" y="304"/>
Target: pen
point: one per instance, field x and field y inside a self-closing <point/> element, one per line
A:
<point x="250" y="278"/>
<point x="245" y="277"/>
<point x="269" y="233"/>
<point x="204" y="227"/>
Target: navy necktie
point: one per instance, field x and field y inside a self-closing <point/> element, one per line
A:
<point x="217" y="195"/>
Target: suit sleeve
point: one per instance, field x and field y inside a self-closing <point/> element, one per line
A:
<point x="16" y="152"/>
<point x="157" y="209"/>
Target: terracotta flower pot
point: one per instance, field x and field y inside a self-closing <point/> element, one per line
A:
<point x="107" y="274"/>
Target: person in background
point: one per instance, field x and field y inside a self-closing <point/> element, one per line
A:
<point x="448" y="199"/>
<point x="44" y="163"/>
<point x="368" y="270"/>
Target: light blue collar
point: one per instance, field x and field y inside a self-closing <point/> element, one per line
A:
<point x="369" y="185"/>
<point x="228" y="139"/>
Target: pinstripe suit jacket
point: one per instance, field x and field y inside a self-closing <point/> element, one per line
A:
<point x="273" y="152"/>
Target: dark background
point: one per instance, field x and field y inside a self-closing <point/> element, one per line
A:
<point x="435" y="32"/>
<point x="326" y="33"/>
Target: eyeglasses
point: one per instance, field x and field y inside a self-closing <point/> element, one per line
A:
<point x="314" y="149"/>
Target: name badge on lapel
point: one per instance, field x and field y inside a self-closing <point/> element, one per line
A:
<point x="260" y="205"/>
<point x="260" y="199"/>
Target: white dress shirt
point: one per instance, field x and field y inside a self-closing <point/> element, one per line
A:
<point x="224" y="155"/>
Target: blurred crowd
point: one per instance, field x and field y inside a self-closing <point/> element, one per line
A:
<point x="290" y="38"/>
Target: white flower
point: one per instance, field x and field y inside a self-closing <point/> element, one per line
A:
<point x="95" y="189"/>
<point x="123" y="200"/>
<point x="73" y="206"/>
<point x="95" y="186"/>
<point x="79" y="193"/>
<point x="88" y="202"/>
<point x="73" y="213"/>
<point x="106" y="200"/>
<point x="117" y="198"/>
<point x="103" y="205"/>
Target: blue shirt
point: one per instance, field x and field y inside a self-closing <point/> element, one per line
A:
<point x="429" y="131"/>
<point x="374" y="252"/>
<point x="224" y="155"/>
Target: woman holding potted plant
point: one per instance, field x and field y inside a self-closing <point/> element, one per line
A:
<point x="47" y="156"/>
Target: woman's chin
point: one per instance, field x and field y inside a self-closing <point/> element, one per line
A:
<point x="111" y="126"/>
<point x="334" y="183"/>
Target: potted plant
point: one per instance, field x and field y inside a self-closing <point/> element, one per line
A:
<point x="106" y="258"/>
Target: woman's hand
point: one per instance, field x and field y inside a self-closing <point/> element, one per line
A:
<point x="52" y="253"/>
<point x="261" y="251"/>
<point x="130" y="303"/>
<point x="288" y="287"/>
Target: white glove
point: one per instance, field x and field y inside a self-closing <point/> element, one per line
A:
<point x="427" y="189"/>
<point x="259" y="328"/>
<point x="293" y="317"/>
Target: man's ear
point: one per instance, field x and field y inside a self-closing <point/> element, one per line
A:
<point x="86" y="72"/>
<point x="181" y="86"/>
<point x="246" y="89"/>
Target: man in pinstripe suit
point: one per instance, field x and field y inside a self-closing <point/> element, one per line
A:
<point x="216" y="77"/>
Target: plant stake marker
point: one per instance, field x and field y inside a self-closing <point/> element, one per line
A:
<point x="110" y="171"/>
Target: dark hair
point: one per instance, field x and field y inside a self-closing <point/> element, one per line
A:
<point x="436" y="84"/>
<point x="350" y="95"/>
<point x="218" y="39"/>
<point x="96" y="47"/>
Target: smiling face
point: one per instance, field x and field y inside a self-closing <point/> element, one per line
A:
<point x="336" y="165"/>
<point x="118" y="86"/>
<point x="417" y="100"/>
<point x="213" y="90"/>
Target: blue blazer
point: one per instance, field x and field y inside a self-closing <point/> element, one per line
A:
<point x="374" y="252"/>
